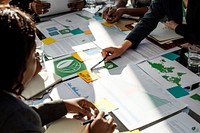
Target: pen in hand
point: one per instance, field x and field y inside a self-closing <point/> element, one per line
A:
<point x="109" y="16"/>
<point x="91" y="120"/>
<point x="99" y="62"/>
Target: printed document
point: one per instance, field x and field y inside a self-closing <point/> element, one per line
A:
<point x="180" y="123"/>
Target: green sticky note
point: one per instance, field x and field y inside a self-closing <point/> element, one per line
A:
<point x="110" y="65"/>
<point x="76" y="31"/>
<point x="178" y="91"/>
<point x="196" y="97"/>
<point x="98" y="17"/>
<point x="171" y="56"/>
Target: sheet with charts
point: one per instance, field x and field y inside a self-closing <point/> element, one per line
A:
<point x="151" y="50"/>
<point x="139" y="98"/>
<point x="180" y="123"/>
<point x="53" y="29"/>
<point x="193" y="100"/>
<point x="69" y="45"/>
<point x="169" y="73"/>
<point x="75" y="18"/>
<point x="68" y="66"/>
<point x="75" y="88"/>
<point x="66" y="25"/>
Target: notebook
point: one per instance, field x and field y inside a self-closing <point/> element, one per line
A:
<point x="162" y="34"/>
<point x="41" y="82"/>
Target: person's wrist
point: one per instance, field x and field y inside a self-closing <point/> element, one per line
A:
<point x="126" y="45"/>
<point x="175" y="26"/>
<point x="121" y="10"/>
<point x="30" y="6"/>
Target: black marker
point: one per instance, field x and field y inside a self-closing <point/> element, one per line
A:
<point x="91" y="120"/>
<point x="98" y="63"/>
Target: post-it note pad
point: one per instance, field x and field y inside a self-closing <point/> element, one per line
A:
<point x="48" y="40"/>
<point x="88" y="76"/>
<point x="108" y="24"/>
<point x="178" y="91"/>
<point x="105" y="104"/>
<point x="81" y="56"/>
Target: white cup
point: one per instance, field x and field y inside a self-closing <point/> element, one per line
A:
<point x="194" y="58"/>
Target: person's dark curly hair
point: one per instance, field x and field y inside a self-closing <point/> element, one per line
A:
<point x="17" y="40"/>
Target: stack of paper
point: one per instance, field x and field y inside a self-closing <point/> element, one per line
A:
<point x="164" y="35"/>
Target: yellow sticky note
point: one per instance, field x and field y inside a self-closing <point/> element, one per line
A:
<point x="108" y="106"/>
<point x="134" y="131"/>
<point x="88" y="76"/>
<point x="48" y="40"/>
<point x="81" y="56"/>
<point x="87" y="32"/>
<point x="108" y="24"/>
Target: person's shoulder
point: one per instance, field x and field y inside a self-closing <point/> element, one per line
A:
<point x="10" y="104"/>
<point x="16" y="115"/>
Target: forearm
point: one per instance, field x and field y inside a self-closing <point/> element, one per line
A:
<point x="134" y="11"/>
<point x="52" y="111"/>
<point x="120" y="3"/>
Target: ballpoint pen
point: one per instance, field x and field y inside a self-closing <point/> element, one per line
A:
<point x="91" y="120"/>
<point x="98" y="63"/>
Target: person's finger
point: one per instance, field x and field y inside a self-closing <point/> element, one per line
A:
<point x="100" y="115"/>
<point x="78" y="116"/>
<point x="90" y="104"/>
<point x="85" y="104"/>
<point x="110" y="120"/>
<point x="114" y="126"/>
<point x="103" y="53"/>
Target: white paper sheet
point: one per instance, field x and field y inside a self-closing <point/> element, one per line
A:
<point x="180" y="123"/>
<point x="169" y="73"/>
<point x="151" y="50"/>
<point x="73" y="88"/>
<point x="69" y="45"/>
<point x="192" y="100"/>
<point x="106" y="36"/>
<point x="75" y="18"/>
<point x="140" y="99"/>
<point x="52" y="29"/>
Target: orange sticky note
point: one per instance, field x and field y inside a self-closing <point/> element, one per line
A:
<point x="108" y="24"/>
<point x="87" y="32"/>
<point x="48" y="40"/>
<point x="88" y="76"/>
<point x="106" y="105"/>
<point x="81" y="56"/>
